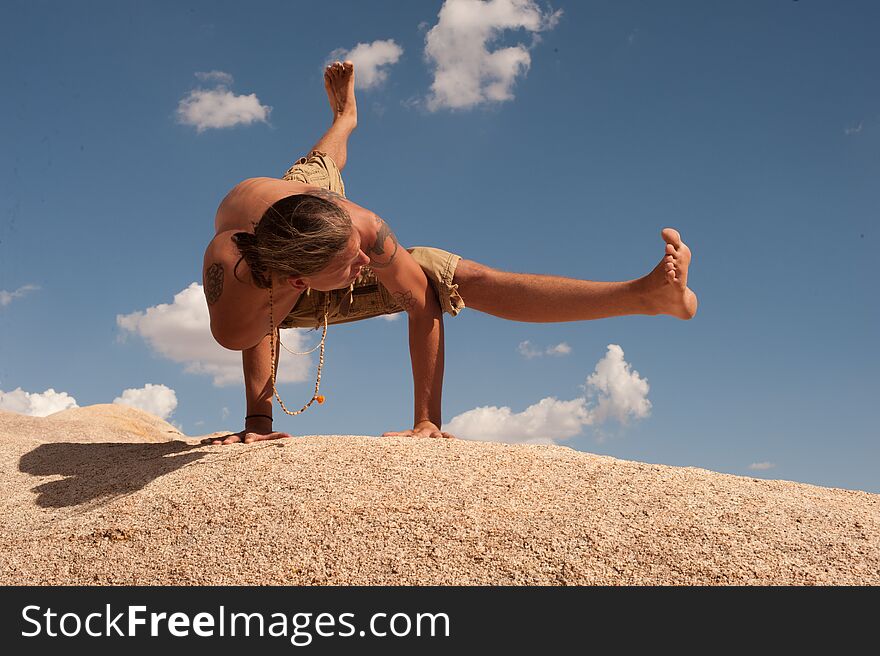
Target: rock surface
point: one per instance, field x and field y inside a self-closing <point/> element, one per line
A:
<point x="109" y="494"/>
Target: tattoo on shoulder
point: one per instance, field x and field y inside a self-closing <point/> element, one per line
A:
<point x="405" y="300"/>
<point x="214" y="283"/>
<point x="380" y="247"/>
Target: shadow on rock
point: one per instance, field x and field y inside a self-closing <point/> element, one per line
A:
<point x="99" y="470"/>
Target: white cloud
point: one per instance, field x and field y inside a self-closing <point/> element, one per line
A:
<point x="545" y="422"/>
<point x="466" y="72"/>
<point x="371" y="61"/>
<point x="853" y="130"/>
<point x="224" y="412"/>
<point x="622" y="395"/>
<point x="621" y="392"/>
<point x="391" y="317"/>
<point x="219" y="107"/>
<point x="35" y="404"/>
<point x="155" y="399"/>
<point x="181" y="332"/>
<point x="7" y="297"/>
<point x="560" y="349"/>
<point x="527" y="351"/>
<point x="761" y="466"/>
<point x="219" y="76"/>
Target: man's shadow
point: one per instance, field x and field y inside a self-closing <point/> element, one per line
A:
<point x="101" y="470"/>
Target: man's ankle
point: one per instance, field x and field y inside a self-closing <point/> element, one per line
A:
<point x="346" y="122"/>
<point x="641" y="291"/>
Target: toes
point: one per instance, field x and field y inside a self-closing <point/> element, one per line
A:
<point x="671" y="236"/>
<point x="670" y="248"/>
<point x="670" y="276"/>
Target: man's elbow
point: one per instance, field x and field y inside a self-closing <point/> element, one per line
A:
<point x="227" y="341"/>
<point x="429" y="310"/>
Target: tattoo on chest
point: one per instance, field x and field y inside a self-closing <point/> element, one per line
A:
<point x="405" y="300"/>
<point x="214" y="283"/>
<point x="383" y="233"/>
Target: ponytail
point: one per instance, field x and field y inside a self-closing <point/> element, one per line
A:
<point x="247" y="245"/>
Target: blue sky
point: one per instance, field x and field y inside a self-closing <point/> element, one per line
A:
<point x="752" y="127"/>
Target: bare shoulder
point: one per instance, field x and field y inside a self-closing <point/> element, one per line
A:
<point x="229" y="291"/>
<point x="222" y="251"/>
<point x="239" y="310"/>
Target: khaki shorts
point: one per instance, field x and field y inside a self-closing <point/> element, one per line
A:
<point x="367" y="297"/>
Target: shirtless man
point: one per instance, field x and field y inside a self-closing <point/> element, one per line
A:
<point x="239" y="308"/>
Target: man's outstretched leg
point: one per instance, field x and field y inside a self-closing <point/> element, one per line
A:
<point x="339" y="83"/>
<point x="542" y="298"/>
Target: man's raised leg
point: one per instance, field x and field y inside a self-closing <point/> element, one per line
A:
<point x="339" y="83"/>
<point x="542" y="298"/>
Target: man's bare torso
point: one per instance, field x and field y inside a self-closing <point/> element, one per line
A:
<point x="239" y="309"/>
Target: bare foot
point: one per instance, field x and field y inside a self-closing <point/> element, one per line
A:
<point x="339" y="82"/>
<point x="666" y="286"/>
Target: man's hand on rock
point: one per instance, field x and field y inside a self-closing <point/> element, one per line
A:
<point x="246" y="436"/>
<point x="421" y="429"/>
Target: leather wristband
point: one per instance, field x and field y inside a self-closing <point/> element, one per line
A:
<point x="266" y="416"/>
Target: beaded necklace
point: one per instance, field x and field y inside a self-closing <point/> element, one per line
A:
<point x="272" y="329"/>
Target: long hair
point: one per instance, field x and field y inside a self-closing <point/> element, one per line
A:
<point x="296" y="236"/>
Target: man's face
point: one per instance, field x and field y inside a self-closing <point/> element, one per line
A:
<point x="342" y="270"/>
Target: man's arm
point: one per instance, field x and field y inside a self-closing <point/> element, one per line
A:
<point x="258" y="390"/>
<point x="426" y="349"/>
<point x="401" y="275"/>
<point x="258" y="384"/>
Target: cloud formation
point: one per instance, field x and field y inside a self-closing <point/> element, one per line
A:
<point x="613" y="392"/>
<point x="621" y="393"/>
<point x="36" y="404"/>
<point x="371" y="61"/>
<point x="762" y="466"/>
<point x="155" y="399"/>
<point x="181" y="332"/>
<point x="853" y="130"/>
<point x="526" y="350"/>
<point x="219" y="107"/>
<point x="466" y="72"/>
<point x="7" y="297"/>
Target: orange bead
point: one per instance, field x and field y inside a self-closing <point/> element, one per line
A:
<point x="319" y="399"/>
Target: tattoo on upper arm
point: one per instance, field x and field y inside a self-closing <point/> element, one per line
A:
<point x="383" y="233"/>
<point x="214" y="283"/>
<point x="405" y="300"/>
